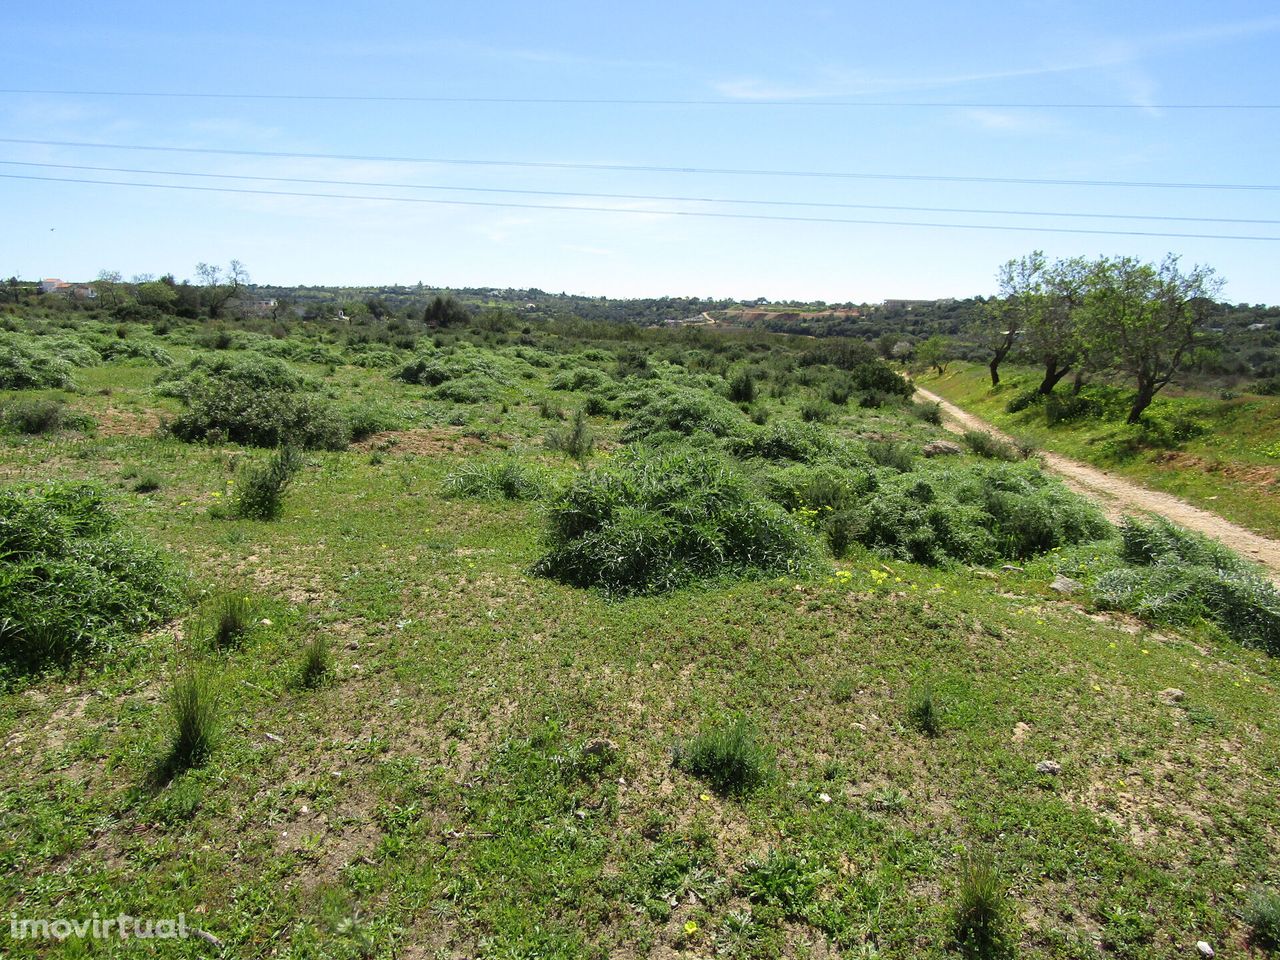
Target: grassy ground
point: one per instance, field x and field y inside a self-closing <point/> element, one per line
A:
<point x="1233" y="469"/>
<point x="435" y="800"/>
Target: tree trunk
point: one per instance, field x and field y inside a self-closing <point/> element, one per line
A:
<point x="1077" y="383"/>
<point x="994" y="367"/>
<point x="1052" y="374"/>
<point x="1146" y="393"/>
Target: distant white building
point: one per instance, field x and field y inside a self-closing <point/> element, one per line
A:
<point x="53" y="285"/>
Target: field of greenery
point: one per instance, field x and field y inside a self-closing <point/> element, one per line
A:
<point x="1219" y="451"/>
<point x="561" y="639"/>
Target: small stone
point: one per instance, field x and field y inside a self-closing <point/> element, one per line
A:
<point x="1051" y="767"/>
<point x="1065" y="585"/>
<point x="1011" y="568"/>
<point x="601" y="748"/>
<point x="1204" y="949"/>
<point x="824" y="798"/>
<point x="1171" y="695"/>
<point x="942" y="448"/>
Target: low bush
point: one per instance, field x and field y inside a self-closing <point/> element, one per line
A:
<point x="502" y="479"/>
<point x="729" y="757"/>
<point x="1023" y="399"/>
<point x="651" y="521"/>
<point x="887" y="453"/>
<point x="73" y="583"/>
<point x="579" y="378"/>
<point x="221" y="410"/>
<point x="575" y="440"/>
<point x="974" y="513"/>
<point x="785" y="440"/>
<point x="682" y="411"/>
<point x="34" y="417"/>
<point x="260" y="493"/>
<point x="783" y="881"/>
<point x="990" y="446"/>
<point x="742" y="387"/>
<point x="816" y="411"/>
<point x="316" y="669"/>
<point x="24" y="366"/>
<point x="1178" y="577"/>
<point x="927" y="411"/>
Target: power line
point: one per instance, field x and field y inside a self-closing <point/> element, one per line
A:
<point x="640" y="196"/>
<point x="640" y="101"/>
<point x="671" y="213"/>
<point x="643" y="168"/>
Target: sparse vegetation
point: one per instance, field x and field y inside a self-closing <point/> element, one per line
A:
<point x="260" y="493"/>
<point x="194" y="709"/>
<point x="981" y="911"/>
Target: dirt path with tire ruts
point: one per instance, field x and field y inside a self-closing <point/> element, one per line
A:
<point x="1118" y="497"/>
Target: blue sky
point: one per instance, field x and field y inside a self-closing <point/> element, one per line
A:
<point x="1139" y="54"/>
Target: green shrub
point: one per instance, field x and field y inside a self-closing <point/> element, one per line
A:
<point x="33" y="417"/>
<point x="825" y="487"/>
<point x="651" y="521"/>
<point x="73" y="584"/>
<point x="980" y="919"/>
<point x="887" y="453"/>
<point x="194" y="709"/>
<point x="729" y="757"/>
<point x="1263" y="917"/>
<point x="470" y="389"/>
<point x="742" y="387"/>
<point x="1023" y="399"/>
<point x="1178" y="577"/>
<point x="927" y="411"/>
<point x="685" y="412"/>
<point x="1067" y="409"/>
<point x="783" y="880"/>
<point x="221" y="410"/>
<point x="974" y="513"/>
<point x="227" y="619"/>
<point x="433" y="370"/>
<point x="579" y="378"/>
<point x="367" y="421"/>
<point x="576" y="440"/>
<point x="507" y="479"/>
<point x="25" y="366"/>
<point x="816" y="411"/>
<point x="785" y="440"/>
<point x="250" y="374"/>
<point x="260" y="493"/>
<point x="990" y="446"/>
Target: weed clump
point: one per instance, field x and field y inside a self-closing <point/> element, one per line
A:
<point x="682" y="411"/>
<point x="656" y="520"/>
<point x="502" y="479"/>
<point x="228" y="618"/>
<point x="25" y="366"/>
<point x="317" y="664"/>
<point x="35" y="417"/>
<point x="1263" y="917"/>
<point x="990" y="446"/>
<point x="74" y="583"/>
<point x="729" y="757"/>
<point x="194" y="709"/>
<point x="981" y="912"/>
<point x="576" y="440"/>
<point x="922" y="711"/>
<point x="1178" y="577"/>
<point x="261" y="493"/>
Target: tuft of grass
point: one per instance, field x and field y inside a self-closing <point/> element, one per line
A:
<point x="1263" y="917"/>
<point x="896" y="456"/>
<point x="229" y="618"/>
<point x="147" y="483"/>
<point x="922" y="711"/>
<point x="728" y="756"/>
<point x="261" y="492"/>
<point x="926" y="411"/>
<point x="317" y="663"/>
<point x="742" y="387"/>
<point x="194" y="710"/>
<point x="981" y="911"/>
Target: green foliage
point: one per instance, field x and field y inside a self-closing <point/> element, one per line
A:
<point x="888" y="453"/>
<point x="990" y="446"/>
<point x="579" y="378"/>
<point x="981" y="912"/>
<point x="785" y="881"/>
<point x="195" y="714"/>
<point x="506" y="478"/>
<point x="227" y="619"/>
<point x="1263" y="917"/>
<point x="316" y="669"/>
<point x="742" y="387"/>
<point x="652" y="521"/>
<point x="33" y="417"/>
<point x="728" y="756"/>
<point x="1179" y="577"/>
<point x="24" y="365"/>
<point x="816" y="411"/>
<point x="221" y="410"/>
<point x="975" y="514"/>
<point x="926" y="411"/>
<point x="682" y="411"/>
<point x="576" y="440"/>
<point x="922" y="711"/>
<point x="73" y="584"/>
<point x="260" y="493"/>
<point x="785" y="440"/>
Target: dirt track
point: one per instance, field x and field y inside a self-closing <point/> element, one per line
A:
<point x="1119" y="497"/>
